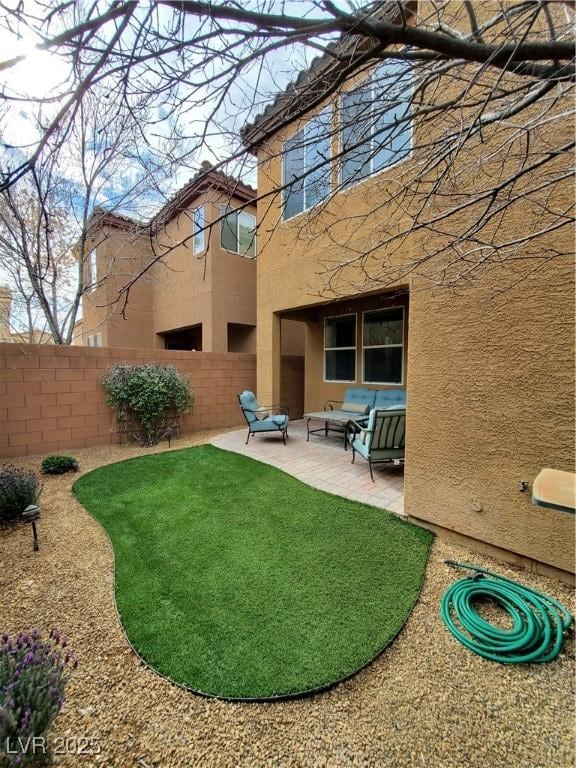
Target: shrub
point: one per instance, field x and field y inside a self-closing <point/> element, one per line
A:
<point x="146" y="398"/>
<point x="33" y="675"/>
<point x="18" y="489"/>
<point x="58" y="465"/>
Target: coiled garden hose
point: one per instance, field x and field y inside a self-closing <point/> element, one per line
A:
<point x="539" y="621"/>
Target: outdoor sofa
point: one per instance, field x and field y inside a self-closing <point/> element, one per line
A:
<point x="357" y="404"/>
<point x="361" y="400"/>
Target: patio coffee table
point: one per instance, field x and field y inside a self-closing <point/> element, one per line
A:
<point x="334" y="421"/>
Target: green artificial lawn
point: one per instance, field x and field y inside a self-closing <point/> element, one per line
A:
<point x="239" y="581"/>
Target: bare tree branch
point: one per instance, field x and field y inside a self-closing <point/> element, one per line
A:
<point x="476" y="100"/>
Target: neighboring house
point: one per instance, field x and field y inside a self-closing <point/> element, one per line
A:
<point x="200" y="294"/>
<point x="77" y="337"/>
<point x="7" y="332"/>
<point x="489" y="380"/>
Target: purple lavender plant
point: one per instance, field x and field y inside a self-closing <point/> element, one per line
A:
<point x="18" y="489"/>
<point x="33" y="675"/>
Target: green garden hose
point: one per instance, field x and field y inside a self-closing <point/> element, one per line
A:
<point x="539" y="621"/>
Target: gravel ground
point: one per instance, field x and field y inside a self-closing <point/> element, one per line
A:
<point x="425" y="702"/>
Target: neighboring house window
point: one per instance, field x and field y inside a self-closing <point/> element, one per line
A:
<point x="383" y="346"/>
<point x="340" y="348"/>
<point x="375" y="131"/>
<point x="92" y="270"/>
<point x="95" y="340"/>
<point x="306" y="166"/>
<point x="238" y="231"/>
<point x="199" y="241"/>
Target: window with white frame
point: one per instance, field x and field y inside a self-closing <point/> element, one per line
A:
<point x="306" y="166"/>
<point x="95" y="340"/>
<point x="376" y="129"/>
<point x="238" y="231"/>
<point x="340" y="348"/>
<point x="199" y="239"/>
<point x="92" y="270"/>
<point x="383" y="346"/>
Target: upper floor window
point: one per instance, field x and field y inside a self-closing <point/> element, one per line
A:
<point x="376" y="130"/>
<point x="383" y="346"/>
<point x="340" y="348"/>
<point x="94" y="341"/>
<point x="305" y="165"/>
<point x="199" y="239"/>
<point x="238" y="231"/>
<point x="92" y="270"/>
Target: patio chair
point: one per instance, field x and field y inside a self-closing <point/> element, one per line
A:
<point x="381" y="440"/>
<point x="263" y="418"/>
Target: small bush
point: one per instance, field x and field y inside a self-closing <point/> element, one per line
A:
<point x="58" y="465"/>
<point x="18" y="489"/>
<point x="33" y="675"/>
<point x="146" y="398"/>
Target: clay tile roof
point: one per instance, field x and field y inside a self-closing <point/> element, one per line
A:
<point x="301" y="93"/>
<point x="102" y="217"/>
<point x="207" y="178"/>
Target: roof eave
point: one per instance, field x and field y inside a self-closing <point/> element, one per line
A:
<point x="208" y="181"/>
<point x="276" y="114"/>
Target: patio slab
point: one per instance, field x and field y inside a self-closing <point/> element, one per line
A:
<point x="322" y="463"/>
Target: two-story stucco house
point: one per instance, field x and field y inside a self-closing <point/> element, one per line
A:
<point x="191" y="272"/>
<point x="489" y="378"/>
<point x="200" y="292"/>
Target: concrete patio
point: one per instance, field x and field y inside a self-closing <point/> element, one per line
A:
<point x="322" y="463"/>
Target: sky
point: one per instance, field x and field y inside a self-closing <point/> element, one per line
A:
<point x="43" y="73"/>
<point x="37" y="75"/>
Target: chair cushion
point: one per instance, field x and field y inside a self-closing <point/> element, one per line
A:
<point x="370" y="424"/>
<point x="249" y="404"/>
<point x="271" y="424"/>
<point x="360" y="446"/>
<point x="262" y="414"/>
<point x="390" y="398"/>
<point x="355" y="407"/>
<point x="388" y="454"/>
<point x="358" y="396"/>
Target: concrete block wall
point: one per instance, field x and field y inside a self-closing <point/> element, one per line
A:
<point x="51" y="399"/>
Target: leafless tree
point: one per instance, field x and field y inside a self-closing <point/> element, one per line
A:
<point x="46" y="216"/>
<point x="486" y="87"/>
<point x="35" y="264"/>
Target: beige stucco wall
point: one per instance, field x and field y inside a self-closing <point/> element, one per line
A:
<point x="316" y="390"/>
<point x="233" y="287"/>
<point x="491" y="402"/>
<point x="182" y="281"/>
<point x="291" y="279"/>
<point x="490" y="375"/>
<point x="120" y="256"/>
<point x="292" y="338"/>
<point x="490" y="383"/>
<point x="241" y="338"/>
<point x="182" y="289"/>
